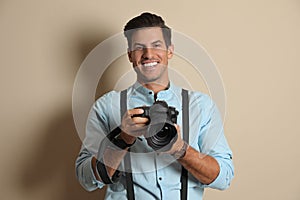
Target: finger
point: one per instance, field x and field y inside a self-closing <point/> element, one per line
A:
<point x="135" y="111"/>
<point x="140" y="120"/>
<point x="178" y="130"/>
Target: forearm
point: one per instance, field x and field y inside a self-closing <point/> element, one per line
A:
<point x="112" y="157"/>
<point x="203" y="167"/>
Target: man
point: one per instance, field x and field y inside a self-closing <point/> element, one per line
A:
<point x="156" y="174"/>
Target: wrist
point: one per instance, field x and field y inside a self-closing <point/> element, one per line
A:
<point x="118" y="142"/>
<point x="128" y="139"/>
<point x="180" y="153"/>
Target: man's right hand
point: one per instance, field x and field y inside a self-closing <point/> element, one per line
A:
<point x="133" y="127"/>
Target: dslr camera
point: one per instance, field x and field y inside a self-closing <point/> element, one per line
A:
<point x="161" y="133"/>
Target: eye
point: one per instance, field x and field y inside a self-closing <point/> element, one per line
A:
<point x="138" y="47"/>
<point x="157" y="45"/>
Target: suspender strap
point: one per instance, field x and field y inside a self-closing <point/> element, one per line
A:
<point x="128" y="174"/>
<point x="185" y="128"/>
<point x="123" y="102"/>
<point x="127" y="161"/>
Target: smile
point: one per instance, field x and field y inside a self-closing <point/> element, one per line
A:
<point x="151" y="64"/>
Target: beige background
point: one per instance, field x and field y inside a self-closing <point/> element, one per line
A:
<point x="255" y="45"/>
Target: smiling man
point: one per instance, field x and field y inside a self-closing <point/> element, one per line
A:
<point x="122" y="151"/>
<point x="149" y="55"/>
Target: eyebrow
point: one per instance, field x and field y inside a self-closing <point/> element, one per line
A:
<point x="157" y="41"/>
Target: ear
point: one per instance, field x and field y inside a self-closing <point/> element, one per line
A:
<point x="170" y="51"/>
<point x="129" y="54"/>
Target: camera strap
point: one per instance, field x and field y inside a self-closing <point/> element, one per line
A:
<point x="185" y="128"/>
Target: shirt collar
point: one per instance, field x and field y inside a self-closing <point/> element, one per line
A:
<point x="141" y="89"/>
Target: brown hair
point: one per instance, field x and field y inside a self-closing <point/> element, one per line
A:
<point x="147" y="20"/>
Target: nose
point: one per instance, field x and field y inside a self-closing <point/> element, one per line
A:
<point x="148" y="53"/>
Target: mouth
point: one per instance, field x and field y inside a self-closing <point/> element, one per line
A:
<point x="149" y="64"/>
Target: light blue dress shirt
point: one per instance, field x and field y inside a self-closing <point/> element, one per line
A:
<point x="156" y="176"/>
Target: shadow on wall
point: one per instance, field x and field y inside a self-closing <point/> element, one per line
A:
<point x="51" y="170"/>
<point x="53" y="164"/>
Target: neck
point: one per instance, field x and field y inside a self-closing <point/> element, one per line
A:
<point x="156" y="87"/>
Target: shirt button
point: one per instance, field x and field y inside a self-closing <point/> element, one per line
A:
<point x="160" y="178"/>
<point x="150" y="92"/>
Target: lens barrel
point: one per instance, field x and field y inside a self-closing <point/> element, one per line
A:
<point x="161" y="133"/>
<point x="164" y="139"/>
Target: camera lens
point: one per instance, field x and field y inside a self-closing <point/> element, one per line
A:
<point x="161" y="133"/>
<point x="164" y="138"/>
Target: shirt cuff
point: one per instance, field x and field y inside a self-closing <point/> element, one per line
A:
<point x="94" y="179"/>
<point x="87" y="177"/>
<point x="223" y="179"/>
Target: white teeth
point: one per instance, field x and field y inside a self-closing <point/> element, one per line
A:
<point x="150" y="64"/>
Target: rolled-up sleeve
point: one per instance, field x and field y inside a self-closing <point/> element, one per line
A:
<point x="225" y="176"/>
<point x="96" y="129"/>
<point x="84" y="171"/>
<point x="212" y="142"/>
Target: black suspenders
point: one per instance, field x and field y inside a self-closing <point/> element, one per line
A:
<point x="185" y="128"/>
<point x="127" y="161"/>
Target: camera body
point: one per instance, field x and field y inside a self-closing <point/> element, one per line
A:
<point x="161" y="133"/>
